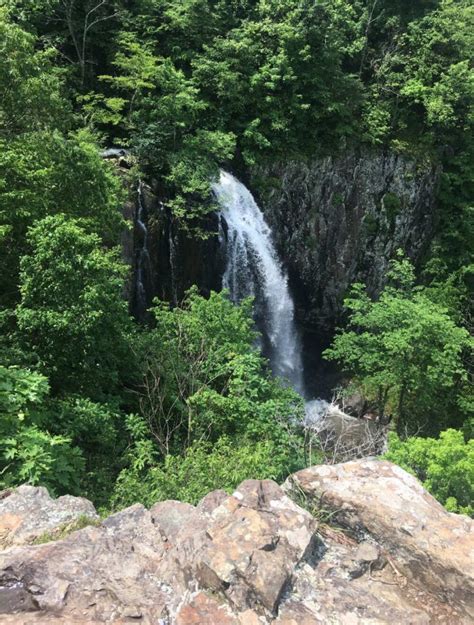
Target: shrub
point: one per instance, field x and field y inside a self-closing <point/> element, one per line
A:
<point x="29" y="453"/>
<point x="445" y="466"/>
<point x="203" y="468"/>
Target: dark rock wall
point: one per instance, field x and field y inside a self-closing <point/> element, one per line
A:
<point x="177" y="259"/>
<point x="339" y="220"/>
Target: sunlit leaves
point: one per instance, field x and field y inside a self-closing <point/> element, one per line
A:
<point x="404" y="349"/>
<point x="72" y="314"/>
<point x="445" y="466"/>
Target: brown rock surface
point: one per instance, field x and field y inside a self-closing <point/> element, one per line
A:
<point x="205" y="610"/>
<point x="258" y="537"/>
<point x="431" y="546"/>
<point x="98" y="574"/>
<point x="28" y="513"/>
<point x="247" y="547"/>
<point x="253" y="558"/>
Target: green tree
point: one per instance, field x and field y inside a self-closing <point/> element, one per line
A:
<point x="80" y="30"/>
<point x="43" y="173"/>
<point x="420" y="98"/>
<point x="30" y="95"/>
<point x="204" y="378"/>
<point x="45" y="166"/>
<point x="72" y="314"/>
<point x="98" y="430"/>
<point x="404" y="350"/>
<point x="277" y="80"/>
<point x="207" y="394"/>
<point x="445" y="465"/>
<point x="29" y="453"/>
<point x="161" y="110"/>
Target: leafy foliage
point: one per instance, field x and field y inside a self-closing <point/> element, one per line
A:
<point x="188" y="405"/>
<point x="203" y="377"/>
<point x="20" y="389"/>
<point x="46" y="166"/>
<point x="206" y="395"/>
<point x="98" y="430"/>
<point x="404" y="349"/>
<point x="71" y="314"/>
<point x="203" y="468"/>
<point x="31" y="89"/>
<point x="445" y="466"/>
<point x="36" y="457"/>
<point x="27" y="453"/>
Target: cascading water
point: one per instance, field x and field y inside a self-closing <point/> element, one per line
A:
<point x="253" y="269"/>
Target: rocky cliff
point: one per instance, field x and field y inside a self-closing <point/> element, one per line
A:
<point x="174" y="259"/>
<point x="353" y="544"/>
<point x="335" y="220"/>
<point x="339" y="220"/>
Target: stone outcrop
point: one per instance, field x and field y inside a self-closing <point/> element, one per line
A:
<point x="354" y="544"/>
<point x="431" y="546"/>
<point x="338" y="220"/>
<point x="28" y="514"/>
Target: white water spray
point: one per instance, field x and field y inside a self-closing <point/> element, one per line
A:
<point x="253" y="269"/>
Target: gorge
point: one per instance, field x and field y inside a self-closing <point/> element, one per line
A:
<point x="333" y="221"/>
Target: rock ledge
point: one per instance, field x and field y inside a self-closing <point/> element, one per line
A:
<point x="353" y="544"/>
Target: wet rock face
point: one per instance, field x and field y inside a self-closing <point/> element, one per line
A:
<point x="175" y="259"/>
<point x="257" y="557"/>
<point x="339" y="220"/>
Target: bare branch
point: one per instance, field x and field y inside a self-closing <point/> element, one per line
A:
<point x="339" y="437"/>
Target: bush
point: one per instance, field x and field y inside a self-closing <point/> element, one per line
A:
<point x="72" y="313"/>
<point x="406" y="353"/>
<point x="97" y="430"/>
<point x="444" y="465"/>
<point x="203" y="468"/>
<point x="203" y="378"/>
<point x="36" y="457"/>
<point x="27" y="452"/>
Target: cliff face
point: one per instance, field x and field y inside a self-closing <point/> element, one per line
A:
<point x="348" y="544"/>
<point x="335" y="221"/>
<point x="340" y="219"/>
<point x="175" y="259"/>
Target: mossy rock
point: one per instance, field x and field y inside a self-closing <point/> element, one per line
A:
<point x="392" y="205"/>
<point x="371" y="225"/>
<point x="68" y="528"/>
<point x="337" y="199"/>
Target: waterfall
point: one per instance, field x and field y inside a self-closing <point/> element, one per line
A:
<point x="253" y="269"/>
